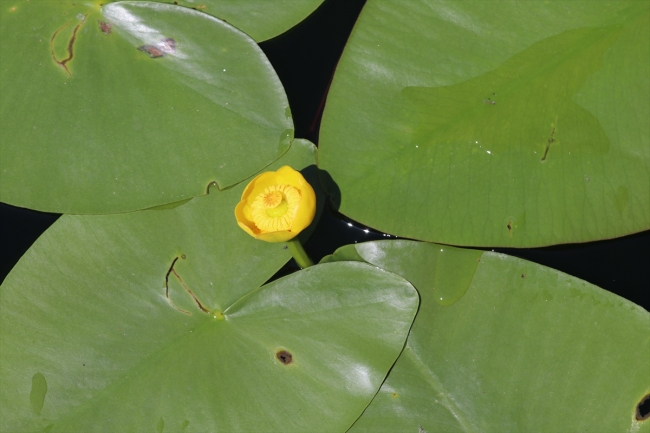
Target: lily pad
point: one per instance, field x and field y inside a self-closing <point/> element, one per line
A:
<point x="261" y="19"/>
<point x="155" y="321"/>
<point x="491" y="124"/>
<point x="130" y="105"/>
<point x="523" y="348"/>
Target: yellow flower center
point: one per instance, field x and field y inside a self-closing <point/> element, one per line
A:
<point x="275" y="209"/>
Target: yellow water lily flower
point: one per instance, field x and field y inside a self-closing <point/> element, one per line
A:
<point x="276" y="205"/>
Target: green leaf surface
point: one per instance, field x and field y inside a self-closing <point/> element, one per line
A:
<point x="493" y="123"/>
<point x="155" y="321"/>
<point x="261" y="19"/>
<point x="523" y="348"/>
<point x="102" y="112"/>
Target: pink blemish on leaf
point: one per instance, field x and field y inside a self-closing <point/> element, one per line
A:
<point x="166" y="46"/>
<point x="105" y="27"/>
<point x="153" y="51"/>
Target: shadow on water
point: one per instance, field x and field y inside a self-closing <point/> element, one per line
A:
<point x="305" y="58"/>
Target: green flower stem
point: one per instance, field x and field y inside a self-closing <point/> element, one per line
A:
<point x="299" y="254"/>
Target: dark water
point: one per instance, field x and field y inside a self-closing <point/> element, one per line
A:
<point x="305" y="58"/>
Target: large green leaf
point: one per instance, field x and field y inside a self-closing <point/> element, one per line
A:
<point x="493" y="123"/>
<point x="89" y="340"/>
<point x="261" y="19"/>
<point x="92" y="124"/>
<point x="505" y="345"/>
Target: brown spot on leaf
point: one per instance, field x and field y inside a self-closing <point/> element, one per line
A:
<point x="284" y="357"/>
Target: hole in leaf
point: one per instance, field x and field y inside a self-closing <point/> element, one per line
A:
<point x="643" y="408"/>
<point x="284" y="357"/>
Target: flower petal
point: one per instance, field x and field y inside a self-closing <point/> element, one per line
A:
<point x="258" y="185"/>
<point x="244" y="218"/>
<point x="306" y="209"/>
<point x="281" y="236"/>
